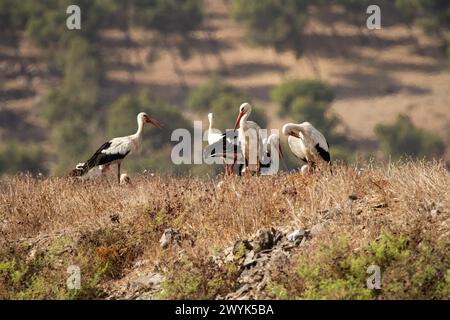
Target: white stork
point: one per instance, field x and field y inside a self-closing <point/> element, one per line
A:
<point x="227" y="148"/>
<point x="212" y="136"/>
<point x="213" y="139"/>
<point x="249" y="139"/>
<point x="307" y="143"/>
<point x="272" y="145"/>
<point x="115" y="150"/>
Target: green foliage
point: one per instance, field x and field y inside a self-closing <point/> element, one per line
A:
<point x="68" y="109"/>
<point x="308" y="100"/>
<point x="279" y="24"/>
<point x="432" y="15"/>
<point x="223" y="101"/>
<point x="15" y="157"/>
<point x="80" y="89"/>
<point x="193" y="278"/>
<point x="403" y="138"/>
<point x="46" y="22"/>
<point x="71" y="140"/>
<point x="13" y="15"/>
<point x="170" y="16"/>
<point x="409" y="270"/>
<point x="203" y="97"/>
<point x="312" y="91"/>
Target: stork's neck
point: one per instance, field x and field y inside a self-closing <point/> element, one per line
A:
<point x="243" y="121"/>
<point x="140" y="131"/>
<point x="210" y="118"/>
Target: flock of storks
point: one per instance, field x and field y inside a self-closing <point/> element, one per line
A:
<point x="245" y="147"/>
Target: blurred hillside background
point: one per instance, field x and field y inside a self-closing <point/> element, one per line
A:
<point x="374" y="93"/>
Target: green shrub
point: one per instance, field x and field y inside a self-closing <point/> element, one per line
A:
<point x="409" y="270"/>
<point x="403" y="138"/>
<point x="278" y="24"/>
<point x="202" y="98"/>
<point x="170" y="16"/>
<point x="223" y="100"/>
<point x="311" y="91"/>
<point x="16" y="157"/>
<point x="309" y="100"/>
<point x="196" y="278"/>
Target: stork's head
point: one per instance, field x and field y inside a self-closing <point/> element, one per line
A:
<point x="291" y="129"/>
<point x="145" y="118"/>
<point x="210" y="117"/>
<point x="244" y="109"/>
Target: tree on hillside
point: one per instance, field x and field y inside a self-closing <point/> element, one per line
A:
<point x="308" y="100"/>
<point x="17" y="157"/>
<point x="402" y="138"/>
<point x="433" y="16"/>
<point x="277" y="24"/>
<point x="223" y="100"/>
<point x="174" y="20"/>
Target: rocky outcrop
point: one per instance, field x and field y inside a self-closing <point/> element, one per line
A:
<point x="257" y="257"/>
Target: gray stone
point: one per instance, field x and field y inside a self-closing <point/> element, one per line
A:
<point x="263" y="241"/>
<point x="169" y="237"/>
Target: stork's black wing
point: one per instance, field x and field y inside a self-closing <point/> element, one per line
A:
<point x="100" y="158"/>
<point x="325" y="155"/>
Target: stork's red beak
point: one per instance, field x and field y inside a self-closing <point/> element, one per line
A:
<point x="280" y="151"/>
<point x="240" y="115"/>
<point x="154" y="122"/>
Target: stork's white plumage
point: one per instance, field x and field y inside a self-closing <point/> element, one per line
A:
<point x="227" y="148"/>
<point x="307" y="143"/>
<point x="212" y="136"/>
<point x="272" y="153"/>
<point x="249" y="139"/>
<point x="115" y="150"/>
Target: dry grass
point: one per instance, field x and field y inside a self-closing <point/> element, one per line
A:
<point x="120" y="224"/>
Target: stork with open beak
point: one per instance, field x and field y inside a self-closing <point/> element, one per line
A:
<point x="115" y="150"/>
<point x="307" y="143"/>
<point x="249" y="139"/>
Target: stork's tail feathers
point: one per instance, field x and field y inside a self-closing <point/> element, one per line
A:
<point x="80" y="170"/>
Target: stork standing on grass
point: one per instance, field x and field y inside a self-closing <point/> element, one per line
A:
<point x="307" y="143"/>
<point x="115" y="150"/>
<point x="249" y="138"/>
<point x="226" y="148"/>
<point x="272" y="146"/>
<point x="221" y="145"/>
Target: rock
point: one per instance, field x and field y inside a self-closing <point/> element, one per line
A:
<point x="249" y="260"/>
<point x="169" y="237"/>
<point x="297" y="235"/>
<point x="245" y="288"/>
<point x="353" y="197"/>
<point x="147" y="281"/>
<point x="263" y="241"/>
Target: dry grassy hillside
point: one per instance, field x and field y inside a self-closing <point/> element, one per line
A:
<point x="396" y="217"/>
<point x="376" y="75"/>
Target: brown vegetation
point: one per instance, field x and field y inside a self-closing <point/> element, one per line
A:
<point x="47" y="225"/>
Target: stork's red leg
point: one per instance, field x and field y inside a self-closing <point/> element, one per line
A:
<point x="118" y="172"/>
